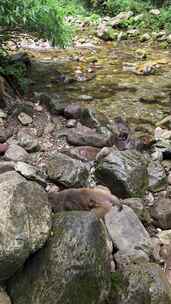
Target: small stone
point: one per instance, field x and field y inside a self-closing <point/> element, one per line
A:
<point x="38" y="108"/>
<point x="141" y="54"/>
<point x="155" y="12"/>
<point x="71" y="123"/>
<point x="52" y="188"/>
<point x="145" y="37"/>
<point x="25" y="119"/>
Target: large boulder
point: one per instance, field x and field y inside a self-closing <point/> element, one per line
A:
<point x="69" y="172"/>
<point x="25" y="221"/>
<point x="124" y="172"/>
<point x="72" y="268"/>
<point x="129" y="236"/>
<point x="144" y="283"/>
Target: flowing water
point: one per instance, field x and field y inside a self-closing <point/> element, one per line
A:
<point x="93" y="74"/>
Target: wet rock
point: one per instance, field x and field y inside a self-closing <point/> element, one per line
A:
<point x="4" y="298"/>
<point x="145" y="283"/>
<point x="84" y="136"/>
<point x="16" y="153"/>
<point x="129" y="236"/>
<point x="123" y="172"/>
<point x="27" y="141"/>
<point x="25" y="119"/>
<point x="25" y="221"/>
<point x="85" y="153"/>
<point x="157" y="176"/>
<point x="161" y="212"/>
<point x="67" y="171"/>
<point x="76" y="260"/>
<point x="30" y="172"/>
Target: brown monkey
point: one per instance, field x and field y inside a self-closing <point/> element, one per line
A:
<point x="98" y="199"/>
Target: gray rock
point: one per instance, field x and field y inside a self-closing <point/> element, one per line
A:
<point x="25" y="221"/>
<point x="161" y="212"/>
<point x="16" y="153"/>
<point x="84" y="136"/>
<point x="27" y="141"/>
<point x="25" y="119"/>
<point x="157" y="176"/>
<point x="124" y="172"/>
<point x="72" y="267"/>
<point x="30" y="172"/>
<point x="129" y="236"/>
<point x="67" y="171"/>
<point x="144" y="283"/>
<point x="136" y="204"/>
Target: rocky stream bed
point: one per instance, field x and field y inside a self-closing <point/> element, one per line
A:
<point x="96" y="113"/>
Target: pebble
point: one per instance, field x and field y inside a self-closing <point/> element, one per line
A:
<point x="71" y="123"/>
<point x="25" y="119"/>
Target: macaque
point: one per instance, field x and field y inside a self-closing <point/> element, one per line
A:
<point x="165" y="253"/>
<point x="98" y="199"/>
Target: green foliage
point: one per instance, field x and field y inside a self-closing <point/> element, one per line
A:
<point x="42" y="16"/>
